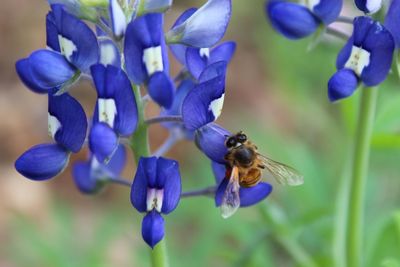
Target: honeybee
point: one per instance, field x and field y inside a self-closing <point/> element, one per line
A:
<point x="244" y="169"/>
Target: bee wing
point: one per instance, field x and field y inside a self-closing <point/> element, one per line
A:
<point x="283" y="174"/>
<point x="231" y="199"/>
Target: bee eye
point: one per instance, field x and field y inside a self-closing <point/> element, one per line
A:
<point x="241" y="138"/>
<point x="231" y="142"/>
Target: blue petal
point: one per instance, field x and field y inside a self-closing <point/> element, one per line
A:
<point x="85" y="51"/>
<point x="109" y="54"/>
<point x="179" y="50"/>
<point x="156" y="6"/>
<point x="368" y="6"/>
<point x="211" y="140"/>
<point x="203" y="103"/>
<point x="118" y="19"/>
<point x="205" y="27"/>
<point x="292" y="20"/>
<point x="72" y="118"/>
<point x="195" y="63"/>
<point x="392" y="20"/>
<point x="161" y="89"/>
<point x="380" y="43"/>
<point x="344" y="54"/>
<point x="50" y="69"/>
<point x="83" y="179"/>
<point x="328" y="10"/>
<point x="342" y="84"/>
<point x="143" y="32"/>
<point x="217" y="69"/>
<point x="248" y="195"/>
<point x="219" y="171"/>
<point x="24" y="72"/>
<point x="52" y="33"/>
<point x="145" y="177"/>
<point x="169" y="178"/>
<point x="223" y="52"/>
<point x="42" y="162"/>
<point x="362" y="26"/>
<point x="117" y="162"/>
<point x="103" y="141"/>
<point x="112" y="83"/>
<point x="252" y="195"/>
<point x="153" y="228"/>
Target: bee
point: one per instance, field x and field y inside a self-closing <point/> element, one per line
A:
<point x="244" y="168"/>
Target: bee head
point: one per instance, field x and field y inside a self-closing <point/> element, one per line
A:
<point x="231" y="142"/>
<point x="241" y="137"/>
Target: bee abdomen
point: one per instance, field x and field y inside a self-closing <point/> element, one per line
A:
<point x="251" y="179"/>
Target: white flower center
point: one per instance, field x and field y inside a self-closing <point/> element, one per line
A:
<point x="204" y="52"/>
<point x="53" y="125"/>
<point x="119" y="19"/>
<point x="373" y="5"/>
<point x="358" y="60"/>
<point x="154" y="199"/>
<point x="107" y="110"/>
<point x="107" y="53"/>
<point x="216" y="106"/>
<point x="152" y="58"/>
<point x="67" y="47"/>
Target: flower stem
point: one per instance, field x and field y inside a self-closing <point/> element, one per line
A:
<point x="164" y="119"/>
<point x="140" y="148"/>
<point x="208" y="191"/>
<point x="360" y="161"/>
<point x="336" y="33"/>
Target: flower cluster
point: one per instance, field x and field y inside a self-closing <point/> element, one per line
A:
<point x="367" y="55"/>
<point x="127" y="52"/>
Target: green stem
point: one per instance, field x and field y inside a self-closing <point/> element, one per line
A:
<point x="360" y="161"/>
<point x="283" y="236"/>
<point x="140" y="148"/>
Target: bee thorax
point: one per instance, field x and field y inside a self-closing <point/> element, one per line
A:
<point x="244" y="156"/>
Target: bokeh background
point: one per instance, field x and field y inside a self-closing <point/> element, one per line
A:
<point x="276" y="93"/>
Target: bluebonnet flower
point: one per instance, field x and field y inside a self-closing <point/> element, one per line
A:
<point x="248" y="195"/>
<point x="295" y="21"/>
<point x="147" y="59"/>
<point x="204" y="27"/>
<point x="116" y="112"/>
<point x="368" y="6"/>
<point x="67" y="126"/>
<point x="109" y="53"/>
<point x="72" y="49"/>
<point x="91" y="175"/>
<point x="366" y="57"/>
<point x="156" y="190"/>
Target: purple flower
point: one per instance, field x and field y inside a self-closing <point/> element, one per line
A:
<point x="295" y="21"/>
<point x="116" y="112"/>
<point x="156" y="190"/>
<point x="366" y="57"/>
<point x="67" y="126"/>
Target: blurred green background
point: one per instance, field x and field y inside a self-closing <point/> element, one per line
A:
<point x="276" y="93"/>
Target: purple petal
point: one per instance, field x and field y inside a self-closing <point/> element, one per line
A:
<point x="117" y="162"/>
<point x="179" y="50"/>
<point x="153" y="228"/>
<point x="392" y="20"/>
<point x="195" y="63"/>
<point x="210" y="139"/>
<point x="72" y="119"/>
<point x="292" y="20"/>
<point x="103" y="141"/>
<point x="118" y="19"/>
<point x="204" y="102"/>
<point x="205" y="27"/>
<point x="342" y="84"/>
<point x="42" y="162"/>
<point x="145" y="177"/>
<point x="161" y="89"/>
<point x="84" y="181"/>
<point x="23" y="69"/>
<point x="223" y="52"/>
<point x="79" y="43"/>
<point x="169" y="178"/>
<point x="219" y="171"/>
<point x="50" y="69"/>
<point x="52" y="33"/>
<point x="328" y="10"/>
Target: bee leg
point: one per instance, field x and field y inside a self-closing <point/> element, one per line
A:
<point x="261" y="166"/>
